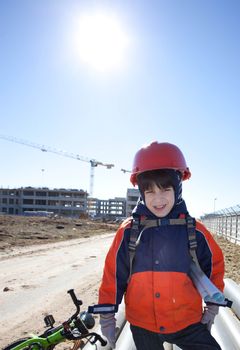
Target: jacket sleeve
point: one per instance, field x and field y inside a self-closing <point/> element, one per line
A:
<point x="210" y="256"/>
<point x="115" y="273"/>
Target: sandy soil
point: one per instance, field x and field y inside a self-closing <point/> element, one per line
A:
<point x="42" y="258"/>
<point x="30" y="249"/>
<point x="231" y="253"/>
<point x="20" y="231"/>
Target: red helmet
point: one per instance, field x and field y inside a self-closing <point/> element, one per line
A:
<point x="159" y="156"/>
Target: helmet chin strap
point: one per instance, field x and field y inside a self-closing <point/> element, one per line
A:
<point x="178" y="193"/>
<point x="177" y="185"/>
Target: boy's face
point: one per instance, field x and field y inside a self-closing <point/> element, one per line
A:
<point x="159" y="201"/>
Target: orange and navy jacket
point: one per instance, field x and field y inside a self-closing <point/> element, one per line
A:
<point x="160" y="295"/>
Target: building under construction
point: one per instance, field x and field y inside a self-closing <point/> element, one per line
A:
<point x="24" y="200"/>
<point x="66" y="202"/>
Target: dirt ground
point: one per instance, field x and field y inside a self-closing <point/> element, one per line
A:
<point x="21" y="231"/>
<point x="18" y="233"/>
<point x="231" y="253"/>
<point x="52" y="256"/>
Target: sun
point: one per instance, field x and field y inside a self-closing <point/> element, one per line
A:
<point x="101" y="41"/>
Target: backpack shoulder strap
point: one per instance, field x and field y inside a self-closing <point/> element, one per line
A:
<point x="192" y="240"/>
<point x="134" y="233"/>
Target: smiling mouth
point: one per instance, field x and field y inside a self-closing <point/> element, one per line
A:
<point x="160" y="207"/>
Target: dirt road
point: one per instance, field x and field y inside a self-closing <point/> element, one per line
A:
<point x="36" y="280"/>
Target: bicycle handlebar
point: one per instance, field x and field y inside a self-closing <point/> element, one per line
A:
<point x="75" y="328"/>
<point x="80" y="324"/>
<point x="76" y="302"/>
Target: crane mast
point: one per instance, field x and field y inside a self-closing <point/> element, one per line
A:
<point x="93" y="162"/>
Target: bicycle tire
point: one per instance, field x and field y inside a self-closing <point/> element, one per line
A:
<point x="15" y="343"/>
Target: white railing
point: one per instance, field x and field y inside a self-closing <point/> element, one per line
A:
<point x="224" y="223"/>
<point x="226" y="328"/>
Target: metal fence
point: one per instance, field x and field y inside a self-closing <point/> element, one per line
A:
<point x="225" y="222"/>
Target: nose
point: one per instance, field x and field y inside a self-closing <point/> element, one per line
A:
<point x="160" y="195"/>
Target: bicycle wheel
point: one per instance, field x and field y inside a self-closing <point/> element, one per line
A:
<point x="15" y="343"/>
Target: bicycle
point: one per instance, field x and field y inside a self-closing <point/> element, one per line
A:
<point x="75" y="328"/>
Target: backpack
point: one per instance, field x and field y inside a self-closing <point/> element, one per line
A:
<point x="135" y="236"/>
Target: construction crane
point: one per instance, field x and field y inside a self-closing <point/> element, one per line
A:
<point x="93" y="162"/>
<point x="125" y="171"/>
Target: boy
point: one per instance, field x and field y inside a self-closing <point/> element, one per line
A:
<point x="162" y="303"/>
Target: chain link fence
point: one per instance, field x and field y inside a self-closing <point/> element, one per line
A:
<point x="225" y="222"/>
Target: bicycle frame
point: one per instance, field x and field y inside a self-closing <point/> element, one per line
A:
<point x="40" y="343"/>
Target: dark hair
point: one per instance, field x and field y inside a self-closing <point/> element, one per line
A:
<point x="162" y="178"/>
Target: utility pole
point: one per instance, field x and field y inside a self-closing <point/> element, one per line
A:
<point x="214" y="205"/>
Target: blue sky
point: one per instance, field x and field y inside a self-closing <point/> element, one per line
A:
<point x="179" y="83"/>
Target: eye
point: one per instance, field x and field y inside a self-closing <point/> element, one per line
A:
<point x="148" y="191"/>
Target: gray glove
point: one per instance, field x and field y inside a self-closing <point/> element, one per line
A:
<point x="210" y="311"/>
<point x="108" y="328"/>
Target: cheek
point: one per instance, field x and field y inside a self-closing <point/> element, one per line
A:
<point x="148" y="199"/>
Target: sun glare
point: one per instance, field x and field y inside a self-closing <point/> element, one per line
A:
<point x="101" y="42"/>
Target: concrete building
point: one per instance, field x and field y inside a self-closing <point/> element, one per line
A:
<point x="108" y="208"/>
<point x="20" y="201"/>
<point x="132" y="198"/>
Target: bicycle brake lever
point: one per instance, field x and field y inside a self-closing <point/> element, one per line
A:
<point x="101" y="340"/>
<point x="97" y="337"/>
